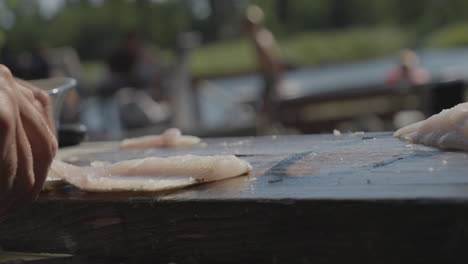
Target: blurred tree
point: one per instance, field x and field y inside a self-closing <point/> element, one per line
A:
<point x="93" y="26"/>
<point x="2" y="38"/>
<point x="283" y="9"/>
<point x="94" y="29"/>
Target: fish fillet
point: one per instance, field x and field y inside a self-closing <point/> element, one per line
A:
<point x="447" y="130"/>
<point x="170" y="138"/>
<point x="151" y="174"/>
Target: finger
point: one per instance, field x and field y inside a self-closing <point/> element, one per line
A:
<point x="43" y="145"/>
<point x="43" y="99"/>
<point x="28" y="94"/>
<point x="8" y="154"/>
<point x="33" y="113"/>
<point x="38" y="105"/>
<point x="24" y="180"/>
<point x="8" y="168"/>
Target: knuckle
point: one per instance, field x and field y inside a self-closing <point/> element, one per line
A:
<point x="28" y="94"/>
<point x="4" y="71"/>
<point x="42" y="95"/>
<point x="45" y="98"/>
<point x="42" y="98"/>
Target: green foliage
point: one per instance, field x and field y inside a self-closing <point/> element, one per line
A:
<point x="450" y="36"/>
<point x="310" y="32"/>
<point x="2" y="38"/>
<point x="95" y="31"/>
<point x="222" y="58"/>
<point x="338" y="46"/>
<point x="309" y="48"/>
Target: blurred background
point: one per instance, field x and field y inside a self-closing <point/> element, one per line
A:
<point x="242" y="67"/>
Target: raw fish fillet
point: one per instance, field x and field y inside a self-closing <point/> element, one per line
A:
<point x="447" y="130"/>
<point x="151" y="174"/>
<point x="170" y="138"/>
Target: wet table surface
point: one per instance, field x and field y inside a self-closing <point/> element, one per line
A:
<point x="301" y="188"/>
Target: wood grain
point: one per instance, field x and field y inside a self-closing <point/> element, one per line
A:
<point x="309" y="199"/>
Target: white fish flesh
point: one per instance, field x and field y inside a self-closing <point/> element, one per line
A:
<point x="170" y="138"/>
<point x="151" y="174"/>
<point x="447" y="130"/>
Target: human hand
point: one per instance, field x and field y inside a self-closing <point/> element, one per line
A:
<point x="27" y="141"/>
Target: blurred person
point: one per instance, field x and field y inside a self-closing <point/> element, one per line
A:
<point x="405" y="76"/>
<point x="268" y="60"/>
<point x="133" y="64"/>
<point x="32" y="64"/>
<point x="408" y="72"/>
<point x="27" y="141"/>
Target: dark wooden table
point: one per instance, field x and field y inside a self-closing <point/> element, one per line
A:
<point x="309" y="199"/>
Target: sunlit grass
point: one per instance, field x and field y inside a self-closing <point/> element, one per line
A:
<point x="316" y="48"/>
<point x="450" y="36"/>
<point x="223" y="58"/>
<point x="305" y="49"/>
